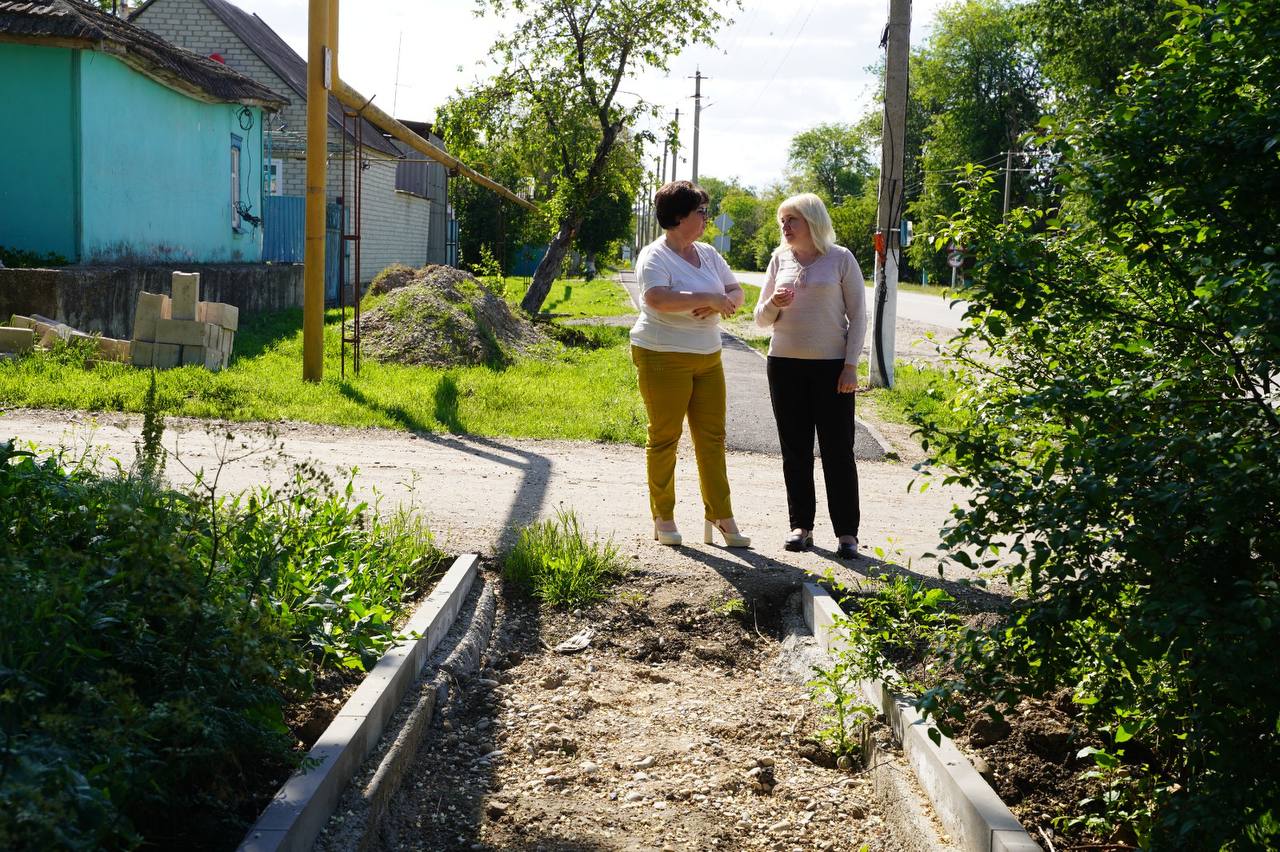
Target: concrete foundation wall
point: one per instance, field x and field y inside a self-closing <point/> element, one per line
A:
<point x="103" y="299"/>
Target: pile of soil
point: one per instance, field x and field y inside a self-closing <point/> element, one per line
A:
<point x="438" y="316"/>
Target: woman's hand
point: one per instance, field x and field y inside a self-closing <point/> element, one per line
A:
<point x="782" y="297"/>
<point x="718" y="304"/>
<point x="848" y="381"/>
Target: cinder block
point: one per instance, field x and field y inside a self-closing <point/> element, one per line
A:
<point x="17" y="339"/>
<point x="186" y="294"/>
<point x="222" y="314"/>
<point x="182" y="332"/>
<point x="162" y="356"/>
<point x="112" y="349"/>
<point x="152" y="307"/>
<point x="19" y="321"/>
<point x="194" y="356"/>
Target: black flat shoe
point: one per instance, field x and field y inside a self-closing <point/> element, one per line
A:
<point x="798" y="543"/>
<point x="847" y="551"/>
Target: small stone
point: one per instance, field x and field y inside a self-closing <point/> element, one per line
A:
<point x="633" y="796"/>
<point x="780" y="825"/>
<point x="645" y="762"/>
<point x="766" y="761"/>
<point x="640" y="776"/>
<point x="844" y="762"/>
<point x="589" y="768"/>
<point x="497" y="808"/>
<point x="983" y="768"/>
<point x="659" y="806"/>
<point x="577" y="613"/>
<point x="855" y="811"/>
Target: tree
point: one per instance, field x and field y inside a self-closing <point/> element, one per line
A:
<point x="608" y="223"/>
<point x="556" y="96"/>
<point x="975" y="89"/>
<point x="832" y="160"/>
<point x="1124" y="442"/>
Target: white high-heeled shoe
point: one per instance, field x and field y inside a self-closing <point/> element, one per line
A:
<point x="671" y="538"/>
<point x="731" y="539"/>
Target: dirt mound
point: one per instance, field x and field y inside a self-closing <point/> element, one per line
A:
<point x="442" y="317"/>
<point x="394" y="277"/>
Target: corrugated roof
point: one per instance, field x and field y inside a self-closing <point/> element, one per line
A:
<point x="72" y="23"/>
<point x="282" y="59"/>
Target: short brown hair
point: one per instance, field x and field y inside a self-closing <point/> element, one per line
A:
<point x="676" y="200"/>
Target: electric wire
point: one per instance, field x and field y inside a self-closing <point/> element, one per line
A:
<point x="787" y="55"/>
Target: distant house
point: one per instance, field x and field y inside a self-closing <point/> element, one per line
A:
<point x="403" y="206"/>
<point x="121" y="148"/>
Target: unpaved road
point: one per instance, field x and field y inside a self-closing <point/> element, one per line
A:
<point x="476" y="493"/>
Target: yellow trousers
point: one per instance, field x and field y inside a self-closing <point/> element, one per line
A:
<point x="676" y="385"/>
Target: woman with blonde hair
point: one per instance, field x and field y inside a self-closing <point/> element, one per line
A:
<point x="814" y="297"/>
<point x="686" y="288"/>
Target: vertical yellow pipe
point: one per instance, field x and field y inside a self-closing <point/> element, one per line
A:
<point x="317" y="149"/>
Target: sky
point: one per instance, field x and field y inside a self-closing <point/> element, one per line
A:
<point x="780" y="68"/>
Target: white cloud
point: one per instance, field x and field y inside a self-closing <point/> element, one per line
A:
<point x="777" y="70"/>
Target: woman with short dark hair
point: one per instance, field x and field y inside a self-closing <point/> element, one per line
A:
<point x="815" y="300"/>
<point x="686" y="288"/>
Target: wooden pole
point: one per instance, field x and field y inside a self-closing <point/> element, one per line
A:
<point x="317" y="149"/>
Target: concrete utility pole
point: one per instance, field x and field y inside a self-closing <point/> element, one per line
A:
<point x="888" y="242"/>
<point x="697" y="117"/>
<point x="675" y="143"/>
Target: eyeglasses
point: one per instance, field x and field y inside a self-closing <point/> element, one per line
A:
<point x="704" y="212"/>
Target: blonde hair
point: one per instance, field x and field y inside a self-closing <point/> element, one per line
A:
<point x="815" y="214"/>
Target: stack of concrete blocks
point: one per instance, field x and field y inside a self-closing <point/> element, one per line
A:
<point x="182" y="330"/>
<point x="23" y="333"/>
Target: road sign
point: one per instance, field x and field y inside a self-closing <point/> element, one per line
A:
<point x="955" y="258"/>
<point x="721" y="243"/>
<point x="724" y="223"/>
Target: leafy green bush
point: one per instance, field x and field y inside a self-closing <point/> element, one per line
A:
<point x="554" y="561"/>
<point x="150" y="638"/>
<point x="1124" y="444"/>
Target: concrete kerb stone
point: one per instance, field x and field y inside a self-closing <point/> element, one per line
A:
<point x="295" y="817"/>
<point x="964" y="803"/>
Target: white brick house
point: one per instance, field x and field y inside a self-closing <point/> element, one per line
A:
<point x="394" y="224"/>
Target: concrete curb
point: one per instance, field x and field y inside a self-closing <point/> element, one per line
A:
<point x="300" y="809"/>
<point x="965" y="804"/>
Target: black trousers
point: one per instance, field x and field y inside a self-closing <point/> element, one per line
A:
<point x="804" y="400"/>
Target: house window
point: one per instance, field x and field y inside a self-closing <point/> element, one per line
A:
<point x="273" y="179"/>
<point x="236" y="144"/>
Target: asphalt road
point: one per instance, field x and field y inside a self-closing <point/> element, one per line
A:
<point x="920" y="307"/>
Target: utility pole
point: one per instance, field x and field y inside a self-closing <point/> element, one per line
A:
<point x="888" y="243"/>
<point x="675" y="143"/>
<point x="697" y="117"/>
<point x="658" y="180"/>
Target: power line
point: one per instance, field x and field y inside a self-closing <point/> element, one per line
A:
<point x="786" y="55"/>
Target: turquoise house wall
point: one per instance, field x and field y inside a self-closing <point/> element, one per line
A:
<point x="38" y="195"/>
<point x="156" y="171"/>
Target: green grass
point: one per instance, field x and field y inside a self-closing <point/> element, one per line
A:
<point x="554" y="561"/>
<point x="585" y="392"/>
<point x="571" y="297"/>
<point x="918" y="393"/>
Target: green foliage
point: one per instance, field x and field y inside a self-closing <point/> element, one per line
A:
<point x="844" y="715"/>
<point x="555" y="562"/>
<point x="551" y="109"/>
<point x="1124" y="448"/>
<point x="148" y="639"/>
<point x="900" y="625"/>
<point x="832" y="160"/>
<point x="15" y="258"/>
<point x="975" y="90"/>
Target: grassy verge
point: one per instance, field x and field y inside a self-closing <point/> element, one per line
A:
<point x="919" y="394"/>
<point x="585" y="392"/>
<point x="554" y="561"/>
<point x="570" y="297"/>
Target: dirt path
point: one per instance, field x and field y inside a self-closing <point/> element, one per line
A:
<point x="476" y="493"/>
